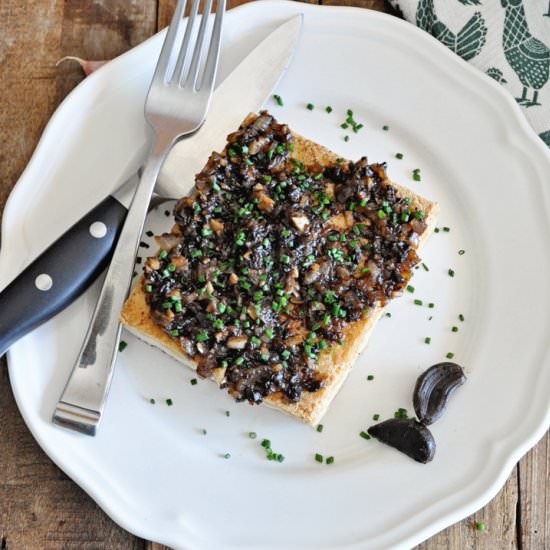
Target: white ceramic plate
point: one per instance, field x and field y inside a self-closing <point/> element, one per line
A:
<point x="151" y="468"/>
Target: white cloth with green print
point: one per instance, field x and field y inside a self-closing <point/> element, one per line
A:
<point x="507" y="39"/>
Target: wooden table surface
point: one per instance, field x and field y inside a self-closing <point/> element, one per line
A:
<point x="40" y="507"/>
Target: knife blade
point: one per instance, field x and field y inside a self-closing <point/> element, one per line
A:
<point x="51" y="282"/>
<point x="81" y="404"/>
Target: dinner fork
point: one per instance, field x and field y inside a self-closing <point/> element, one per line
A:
<point x="176" y="106"/>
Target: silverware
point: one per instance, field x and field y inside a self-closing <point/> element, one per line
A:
<point x="244" y="90"/>
<point x="176" y="106"/>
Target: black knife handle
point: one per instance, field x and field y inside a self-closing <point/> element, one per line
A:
<point x="61" y="273"/>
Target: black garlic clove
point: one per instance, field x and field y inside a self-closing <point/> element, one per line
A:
<point x="433" y="389"/>
<point x="406" y="435"/>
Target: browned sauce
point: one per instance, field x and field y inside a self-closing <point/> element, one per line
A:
<point x="269" y="260"/>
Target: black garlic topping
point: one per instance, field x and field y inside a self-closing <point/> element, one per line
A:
<point x="433" y="389"/>
<point x="406" y="435"/>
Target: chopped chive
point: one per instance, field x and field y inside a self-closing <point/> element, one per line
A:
<point x="203" y="431"/>
<point x="330" y="460"/>
<point x="418" y="302"/>
<point x="148" y="288"/>
<point x="152" y="401"/>
<point x="426" y="268"/>
<point x="266" y="444"/>
<point x="227" y="456"/>
<point x="451" y="273"/>
<point x="416" y="174"/>
<point x="450" y="355"/>
<point x="278" y="99"/>
<point x="410" y="288"/>
<point x="169" y="402"/>
<point x="385" y="128"/>
<point x="399" y="156"/>
<point x="227" y="413"/>
<point x="328" y="109"/>
<point x="376" y="416"/>
<point x="194" y="381"/>
<point x="122" y="345"/>
<point x="431" y="305"/>
<point x="346" y="138"/>
<point x="320" y="428"/>
<point x="427" y="340"/>
<point x="370" y="377"/>
<point x="388" y="314"/>
<point x="252" y="435"/>
<point x="461" y="252"/>
<point x="364" y="435"/>
<point x="310" y="106"/>
<point x="319" y="457"/>
<point x="480" y="526"/>
<point x="461" y="317"/>
<point x="201" y="336"/>
<point x="455" y="329"/>
<point x="400" y="413"/>
<point x="162" y="254"/>
<point x="446" y="229"/>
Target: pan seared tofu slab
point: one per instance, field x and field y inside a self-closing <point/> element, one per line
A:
<point x="278" y="267"/>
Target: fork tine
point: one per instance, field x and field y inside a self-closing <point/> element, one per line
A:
<point x="211" y="64"/>
<point x="195" y="61"/>
<point x="176" y="75"/>
<point x="168" y="45"/>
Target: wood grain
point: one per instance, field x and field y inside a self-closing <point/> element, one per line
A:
<point x="100" y="30"/>
<point x="534" y="501"/>
<point x="40" y="508"/>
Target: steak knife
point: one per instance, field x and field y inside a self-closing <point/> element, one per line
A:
<point x="51" y="283"/>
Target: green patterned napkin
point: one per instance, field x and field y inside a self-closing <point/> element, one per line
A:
<point x="507" y="39"/>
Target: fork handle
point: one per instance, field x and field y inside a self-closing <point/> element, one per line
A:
<point x="81" y="404"/>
